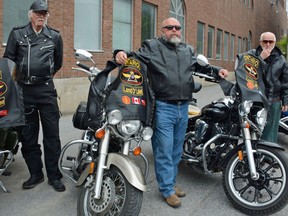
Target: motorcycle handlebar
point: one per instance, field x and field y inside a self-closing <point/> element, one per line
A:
<point x="207" y="77"/>
<point x="83" y="66"/>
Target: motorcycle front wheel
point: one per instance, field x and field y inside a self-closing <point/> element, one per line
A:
<point x="118" y="197"/>
<point x="266" y="195"/>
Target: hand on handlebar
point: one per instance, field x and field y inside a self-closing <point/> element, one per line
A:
<point x="223" y="73"/>
<point x="121" y="57"/>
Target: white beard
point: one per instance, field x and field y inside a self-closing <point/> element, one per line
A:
<point x="173" y="40"/>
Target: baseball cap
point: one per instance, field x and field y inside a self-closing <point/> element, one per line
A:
<point x="39" y="6"/>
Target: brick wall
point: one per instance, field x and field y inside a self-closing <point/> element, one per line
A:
<point x="231" y="16"/>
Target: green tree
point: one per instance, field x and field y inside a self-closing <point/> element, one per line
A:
<point x="282" y="44"/>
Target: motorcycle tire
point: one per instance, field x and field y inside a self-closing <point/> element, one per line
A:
<point x="266" y="195"/>
<point x="118" y="197"/>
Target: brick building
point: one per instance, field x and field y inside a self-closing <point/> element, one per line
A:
<point x="219" y="29"/>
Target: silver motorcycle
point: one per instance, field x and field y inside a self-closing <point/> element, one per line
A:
<point x="110" y="181"/>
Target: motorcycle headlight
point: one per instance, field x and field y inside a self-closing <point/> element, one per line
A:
<point x="147" y="133"/>
<point x="114" y="117"/>
<point x="245" y="107"/>
<point x="261" y="117"/>
<point x="129" y="127"/>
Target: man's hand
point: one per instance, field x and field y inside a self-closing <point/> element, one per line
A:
<point x="265" y="53"/>
<point x="223" y="73"/>
<point x="285" y="108"/>
<point x="121" y="57"/>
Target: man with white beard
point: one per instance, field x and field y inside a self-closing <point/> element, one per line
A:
<point x="37" y="50"/>
<point x="170" y="63"/>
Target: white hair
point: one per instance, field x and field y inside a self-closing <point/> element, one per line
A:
<point x="30" y="15"/>
<point x="262" y="35"/>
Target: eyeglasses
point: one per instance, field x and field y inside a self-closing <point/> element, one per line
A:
<point x="268" y="41"/>
<point x="170" y="27"/>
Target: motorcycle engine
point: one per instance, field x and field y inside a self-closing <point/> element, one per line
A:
<point x="201" y="128"/>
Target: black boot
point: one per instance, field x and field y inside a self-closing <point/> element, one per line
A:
<point x="33" y="181"/>
<point x="57" y="185"/>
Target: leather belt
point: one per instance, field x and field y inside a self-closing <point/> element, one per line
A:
<point x="175" y="102"/>
<point x="34" y="80"/>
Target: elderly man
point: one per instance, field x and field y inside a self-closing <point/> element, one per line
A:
<point x="276" y="82"/>
<point x="37" y="51"/>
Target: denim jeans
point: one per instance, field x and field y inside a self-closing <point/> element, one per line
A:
<point x="270" y="131"/>
<point x="167" y="142"/>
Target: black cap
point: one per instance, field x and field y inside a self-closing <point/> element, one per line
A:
<point x="39" y="6"/>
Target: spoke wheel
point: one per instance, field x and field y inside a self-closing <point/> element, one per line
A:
<point x="118" y="197"/>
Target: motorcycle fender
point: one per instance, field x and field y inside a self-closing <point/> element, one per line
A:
<point x="129" y="169"/>
<point x="257" y="142"/>
<point x="270" y="144"/>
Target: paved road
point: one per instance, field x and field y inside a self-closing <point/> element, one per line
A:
<point x="205" y="193"/>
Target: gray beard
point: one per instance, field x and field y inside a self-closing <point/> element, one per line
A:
<point x="174" y="40"/>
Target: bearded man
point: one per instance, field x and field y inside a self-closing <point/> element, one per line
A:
<point x="170" y="63"/>
<point x="37" y="50"/>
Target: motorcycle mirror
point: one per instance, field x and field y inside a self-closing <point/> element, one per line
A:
<point x="202" y="60"/>
<point x="83" y="55"/>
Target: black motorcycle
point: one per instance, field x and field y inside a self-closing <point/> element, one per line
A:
<point x="283" y="123"/>
<point x="225" y="137"/>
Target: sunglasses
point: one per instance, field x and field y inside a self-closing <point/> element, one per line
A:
<point x="268" y="41"/>
<point x="170" y="27"/>
<point x="41" y="13"/>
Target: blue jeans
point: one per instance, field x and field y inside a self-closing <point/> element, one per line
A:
<point x="167" y="142"/>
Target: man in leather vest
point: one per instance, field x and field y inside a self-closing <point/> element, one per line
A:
<point x="276" y="82"/>
<point x="37" y="51"/>
<point x="170" y="63"/>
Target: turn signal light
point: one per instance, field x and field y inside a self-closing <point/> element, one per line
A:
<point x="99" y="134"/>
<point x="92" y="165"/>
<point x="240" y="155"/>
<point x="137" y="151"/>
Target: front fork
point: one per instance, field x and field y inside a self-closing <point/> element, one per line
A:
<point x="250" y="151"/>
<point x="101" y="165"/>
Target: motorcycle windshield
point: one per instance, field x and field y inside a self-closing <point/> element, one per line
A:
<point x="130" y="92"/>
<point x="249" y="78"/>
<point x="11" y="100"/>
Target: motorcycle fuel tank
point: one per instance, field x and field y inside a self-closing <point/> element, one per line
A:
<point x="216" y="111"/>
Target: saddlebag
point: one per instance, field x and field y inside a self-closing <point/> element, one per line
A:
<point x="80" y="118"/>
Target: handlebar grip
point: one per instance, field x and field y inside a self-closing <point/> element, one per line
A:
<point x="83" y="66"/>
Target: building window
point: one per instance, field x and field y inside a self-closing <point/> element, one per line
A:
<point x="210" y="42"/>
<point x="148" y="21"/>
<point x="219" y="44"/>
<point x="87" y="28"/>
<point x="200" y="38"/>
<point x="226" y="40"/>
<point x="177" y="11"/>
<point x="232" y="44"/>
<point x="239" y="45"/>
<point x="15" y="13"/>
<point x="244" y="45"/>
<point x="249" y="40"/>
<point x="122" y="24"/>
